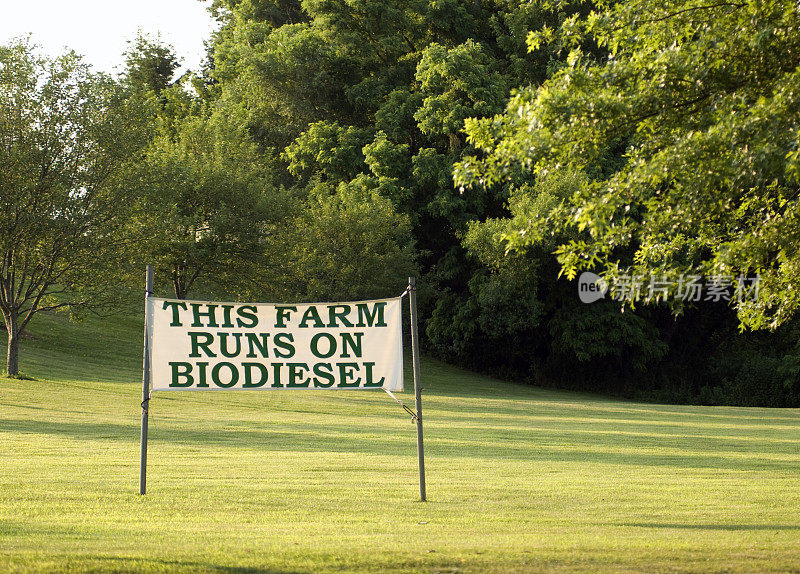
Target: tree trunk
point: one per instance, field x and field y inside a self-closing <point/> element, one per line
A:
<point x="177" y="281"/>
<point x="178" y="289"/>
<point x="455" y="142"/>
<point x="12" y="358"/>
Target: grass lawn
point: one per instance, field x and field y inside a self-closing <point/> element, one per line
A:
<point x="519" y="479"/>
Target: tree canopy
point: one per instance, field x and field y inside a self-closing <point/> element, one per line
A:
<point x="66" y="140"/>
<point x="686" y="137"/>
<point x="327" y="149"/>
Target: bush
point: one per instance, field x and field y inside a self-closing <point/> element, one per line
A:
<point x="347" y="244"/>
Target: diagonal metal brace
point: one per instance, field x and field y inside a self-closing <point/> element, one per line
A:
<point x="414" y="416"/>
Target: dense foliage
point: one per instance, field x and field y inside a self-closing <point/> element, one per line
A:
<point x="698" y="104"/>
<point x="682" y="152"/>
<point x="331" y="148"/>
<point x="67" y="137"/>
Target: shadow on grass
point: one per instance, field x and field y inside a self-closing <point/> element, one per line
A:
<point x="138" y="565"/>
<point x="94" y="563"/>
<point x="473" y="443"/>
<point x="728" y="527"/>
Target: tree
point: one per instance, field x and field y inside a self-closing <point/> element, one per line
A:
<point x="348" y="243"/>
<point x="205" y="198"/>
<point x="207" y="205"/>
<point x="149" y="75"/>
<point x="65" y="136"/>
<point x="150" y="65"/>
<point x="686" y="137"/>
<point x="375" y="95"/>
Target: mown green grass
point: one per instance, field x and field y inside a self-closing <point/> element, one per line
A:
<point x="519" y="479"/>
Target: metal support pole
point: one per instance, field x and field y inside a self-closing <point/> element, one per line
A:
<point x="145" y="383"/>
<point x="412" y="302"/>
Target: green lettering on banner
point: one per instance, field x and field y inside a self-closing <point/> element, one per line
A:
<point x="366" y="319"/>
<point x="330" y="333"/>
<point x="368" y="383"/>
<point x="177" y="374"/>
<point x="284" y="341"/>
<point x="282" y="314"/>
<point x="197" y="344"/>
<point x="344" y="374"/>
<point x="216" y="375"/>
<point x="227" y="323"/>
<point x="248" y="375"/>
<point x="201" y="375"/>
<point x="354" y="344"/>
<point x="328" y="376"/>
<point x="223" y="344"/>
<point x="333" y="314"/>
<point x="296" y="371"/>
<point x="176" y="320"/>
<point x="276" y="376"/>
<point x="253" y="343"/>
<point x="312" y="314"/>
<point x="247" y="313"/>
<point x="315" y="345"/>
<point x="209" y="313"/>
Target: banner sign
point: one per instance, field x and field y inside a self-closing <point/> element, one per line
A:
<point x="196" y="345"/>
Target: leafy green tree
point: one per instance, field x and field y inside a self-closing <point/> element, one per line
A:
<point x="150" y="65"/>
<point x="375" y="96"/>
<point x="345" y="244"/>
<point x="206" y="199"/>
<point x="281" y="80"/>
<point x="459" y="83"/>
<point x="66" y="139"/>
<point x="150" y="76"/>
<point x="274" y="13"/>
<point x="686" y="135"/>
<point x="329" y="150"/>
<point x="207" y="205"/>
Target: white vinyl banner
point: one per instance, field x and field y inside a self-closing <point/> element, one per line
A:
<point x="196" y="345"/>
